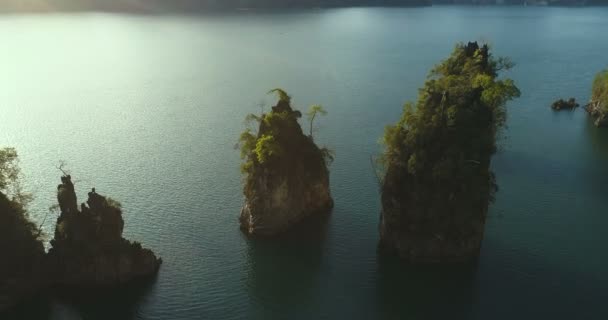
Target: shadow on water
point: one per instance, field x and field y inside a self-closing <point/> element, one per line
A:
<point x="117" y="303"/>
<point x="283" y="273"/>
<point x="595" y="170"/>
<point x="424" y="292"/>
<point x="518" y="285"/>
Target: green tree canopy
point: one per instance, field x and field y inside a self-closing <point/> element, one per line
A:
<point x="312" y="113"/>
<point x="437" y="156"/>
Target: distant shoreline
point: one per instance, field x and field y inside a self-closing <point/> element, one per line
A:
<point x="154" y="8"/>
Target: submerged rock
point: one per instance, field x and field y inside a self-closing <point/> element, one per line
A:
<point x="562" y="104"/>
<point x="88" y="249"/>
<point x="286" y="174"/>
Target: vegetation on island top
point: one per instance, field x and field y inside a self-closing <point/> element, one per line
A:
<point x="562" y="104"/>
<point x="278" y="132"/>
<point x="437" y="156"/>
<point x="456" y="119"/>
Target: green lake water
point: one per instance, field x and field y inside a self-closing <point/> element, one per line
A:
<point x="147" y="109"/>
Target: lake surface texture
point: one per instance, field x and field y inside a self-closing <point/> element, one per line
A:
<point x="147" y="109"/>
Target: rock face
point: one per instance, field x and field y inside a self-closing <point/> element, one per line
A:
<point x="596" y="110"/>
<point x="415" y="233"/>
<point x="88" y="249"/>
<point x="291" y="184"/>
<point x="562" y="104"/>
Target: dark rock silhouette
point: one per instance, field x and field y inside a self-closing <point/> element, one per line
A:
<point x="562" y="104"/>
<point x="88" y="249"/>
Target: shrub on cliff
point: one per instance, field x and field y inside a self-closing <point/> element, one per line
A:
<point x="437" y="156"/>
<point x="599" y="91"/>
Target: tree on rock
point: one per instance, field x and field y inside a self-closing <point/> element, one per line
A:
<point x="286" y="172"/>
<point x="438" y="183"/>
<point x="312" y="113"/>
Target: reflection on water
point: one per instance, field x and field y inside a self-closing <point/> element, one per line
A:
<point x="282" y="274"/>
<point x="502" y="294"/>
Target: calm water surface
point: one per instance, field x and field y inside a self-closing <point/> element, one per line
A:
<point x="148" y="108"/>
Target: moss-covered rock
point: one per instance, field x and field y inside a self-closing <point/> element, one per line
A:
<point x="286" y="178"/>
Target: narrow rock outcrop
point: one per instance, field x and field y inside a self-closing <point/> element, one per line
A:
<point x="286" y="174"/>
<point x="88" y="249"/>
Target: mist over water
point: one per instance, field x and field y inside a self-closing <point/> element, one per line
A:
<point x="147" y="109"/>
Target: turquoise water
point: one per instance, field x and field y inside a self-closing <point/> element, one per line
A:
<point x="148" y="108"/>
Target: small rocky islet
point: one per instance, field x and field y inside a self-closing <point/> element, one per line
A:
<point x="87" y="251"/>
<point x="286" y="175"/>
<point x="597" y="107"/>
<point x="562" y="104"/>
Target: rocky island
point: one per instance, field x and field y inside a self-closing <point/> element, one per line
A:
<point x="286" y="175"/>
<point x="438" y="184"/>
<point x="598" y="106"/>
<point x="88" y="250"/>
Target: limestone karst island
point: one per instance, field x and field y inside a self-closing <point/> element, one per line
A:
<point x="303" y="159"/>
